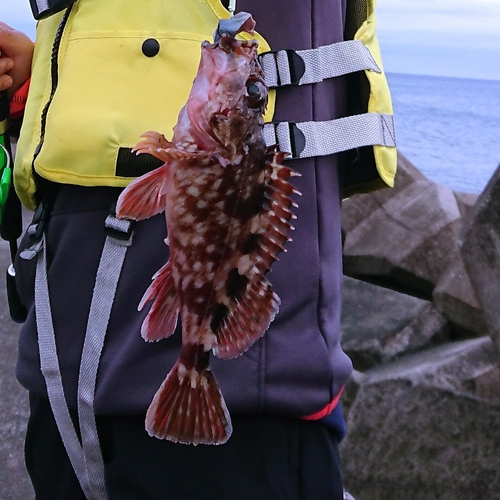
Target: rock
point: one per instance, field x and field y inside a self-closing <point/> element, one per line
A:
<point x="466" y="202"/>
<point x="481" y="253"/>
<point x="485" y="383"/>
<point x="446" y="367"/>
<point x="357" y="208"/>
<point x="455" y="298"/>
<point x="379" y="325"/>
<point x="418" y="430"/>
<point x="356" y="380"/>
<point x="407" y="243"/>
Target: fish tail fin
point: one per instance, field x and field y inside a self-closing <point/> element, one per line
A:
<point x="161" y="320"/>
<point x="189" y="408"/>
<point x="144" y="196"/>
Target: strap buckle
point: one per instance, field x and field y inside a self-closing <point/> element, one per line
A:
<point x="296" y="66"/>
<point x="119" y="229"/>
<point x="36" y="229"/>
<point x="296" y="137"/>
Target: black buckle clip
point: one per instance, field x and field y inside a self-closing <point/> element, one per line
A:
<point x="40" y="218"/>
<point x="297" y="138"/>
<point x="36" y="228"/>
<point x="296" y="65"/>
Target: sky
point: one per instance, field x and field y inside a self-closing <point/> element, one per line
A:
<point x="457" y="38"/>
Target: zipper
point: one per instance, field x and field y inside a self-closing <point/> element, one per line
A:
<point x="54" y="75"/>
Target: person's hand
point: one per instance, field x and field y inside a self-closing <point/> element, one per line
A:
<point x="16" y="54"/>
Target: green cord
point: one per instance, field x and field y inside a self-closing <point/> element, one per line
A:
<point x="6" y="175"/>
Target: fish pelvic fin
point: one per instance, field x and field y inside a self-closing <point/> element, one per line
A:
<point x="161" y="320"/>
<point x="189" y="409"/>
<point x="144" y="196"/>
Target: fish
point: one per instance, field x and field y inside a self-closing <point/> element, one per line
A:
<point x="228" y="204"/>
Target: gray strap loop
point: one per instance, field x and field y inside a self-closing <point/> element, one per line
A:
<point x="300" y="67"/>
<point x="49" y="365"/>
<point x="86" y="458"/>
<point x="106" y="282"/>
<point x="329" y="137"/>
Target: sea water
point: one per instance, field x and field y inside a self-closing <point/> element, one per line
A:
<point x="448" y="127"/>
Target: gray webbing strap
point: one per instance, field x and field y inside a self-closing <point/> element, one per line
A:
<point x="107" y="277"/>
<point x="307" y="139"/>
<point x="86" y="458"/>
<point x="49" y="365"/>
<point x="300" y="67"/>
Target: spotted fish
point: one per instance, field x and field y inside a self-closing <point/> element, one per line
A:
<point x="228" y="205"/>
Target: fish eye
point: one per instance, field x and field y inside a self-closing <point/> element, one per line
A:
<point x="253" y="90"/>
<point x="256" y="93"/>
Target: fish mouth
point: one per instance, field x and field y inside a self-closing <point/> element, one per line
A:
<point x="229" y="44"/>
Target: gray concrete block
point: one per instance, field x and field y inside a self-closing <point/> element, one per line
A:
<point x="418" y="431"/>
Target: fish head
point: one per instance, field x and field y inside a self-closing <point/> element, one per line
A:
<point x="228" y="98"/>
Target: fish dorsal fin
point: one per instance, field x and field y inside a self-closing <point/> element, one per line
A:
<point x="253" y="304"/>
<point x="275" y="226"/>
<point x="157" y="145"/>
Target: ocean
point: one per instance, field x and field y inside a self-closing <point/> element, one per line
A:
<point x="448" y="127"/>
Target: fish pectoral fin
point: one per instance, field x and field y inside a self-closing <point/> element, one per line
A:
<point x="161" y="320"/>
<point x="144" y="196"/>
<point x="245" y="320"/>
<point x="189" y="408"/>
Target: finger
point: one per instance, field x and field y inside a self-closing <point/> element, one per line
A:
<point x="6" y="64"/>
<point x="5" y="82"/>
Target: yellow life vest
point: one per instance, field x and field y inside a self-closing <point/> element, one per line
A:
<point x="136" y="90"/>
<point x="361" y="25"/>
<point x="82" y="119"/>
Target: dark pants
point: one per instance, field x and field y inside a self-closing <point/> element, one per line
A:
<point x="266" y="458"/>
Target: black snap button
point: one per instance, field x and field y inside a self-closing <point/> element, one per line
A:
<point x="150" y="47"/>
